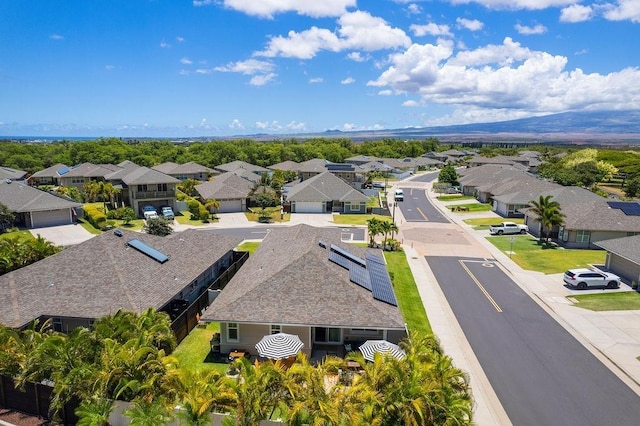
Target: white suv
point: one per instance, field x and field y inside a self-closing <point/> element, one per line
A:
<point x="583" y="278"/>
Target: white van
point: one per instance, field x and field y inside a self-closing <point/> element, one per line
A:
<point x="399" y="195"/>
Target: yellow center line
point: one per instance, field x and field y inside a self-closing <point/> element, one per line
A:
<point x="422" y="214"/>
<point x="480" y="286"/>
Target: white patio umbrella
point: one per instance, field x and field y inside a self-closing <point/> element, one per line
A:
<point x="279" y="346"/>
<point x="370" y="347"/>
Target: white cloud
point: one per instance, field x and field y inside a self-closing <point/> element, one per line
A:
<point x="410" y="103"/>
<point x="348" y="80"/>
<point x="386" y="92"/>
<point x="56" y="37"/>
<point x="186" y="61"/>
<point x="576" y="13"/>
<point x="623" y="10"/>
<point x="262" y="79"/>
<point x="316" y="80"/>
<point x="164" y="45"/>
<point x="357" y="57"/>
<point x="184" y="72"/>
<point x="582" y="52"/>
<point x="414" y="9"/>
<point x="204" y="124"/>
<point x="179" y="39"/>
<point x="296" y="126"/>
<point x="431" y="29"/>
<point x="268" y="8"/>
<point x="109" y="67"/>
<point x="534" y="30"/>
<point x="349" y="127"/>
<point x="357" y="31"/>
<point x="205" y="70"/>
<point x="504" y="81"/>
<point x="469" y="24"/>
<point x="248" y="67"/>
<point x="516" y="4"/>
<point x="198" y="3"/>
<point x="236" y="124"/>
<point x="275" y="126"/>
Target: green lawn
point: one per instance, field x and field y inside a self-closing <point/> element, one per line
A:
<point x="406" y="291"/>
<point x="455" y="197"/>
<point x="609" y="301"/>
<point x="356" y="219"/>
<point x="194" y="350"/>
<point x="274" y="213"/>
<point x="23" y="236"/>
<point x="531" y="255"/>
<point x="89" y="227"/>
<point x="373" y="202"/>
<point x="184" y="218"/>
<point x="472" y="207"/>
<point x="249" y="246"/>
<point x="483" y="223"/>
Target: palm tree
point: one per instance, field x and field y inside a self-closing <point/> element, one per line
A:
<point x="549" y="214"/>
<point x="387" y="227"/>
<point x="154" y="413"/>
<point x="201" y="392"/>
<point x="212" y="205"/>
<point x="374" y="229"/>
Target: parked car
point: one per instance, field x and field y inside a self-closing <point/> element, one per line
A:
<point x="508" y="228"/>
<point x="168" y="213"/>
<point x="149" y="208"/>
<point x="150" y="215"/>
<point x="583" y="278"/>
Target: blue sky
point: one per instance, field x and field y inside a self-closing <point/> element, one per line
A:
<point x="241" y="67"/>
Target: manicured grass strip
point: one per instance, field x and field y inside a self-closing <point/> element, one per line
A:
<point x="89" y="227"/>
<point x="624" y="301"/>
<point x="373" y="202"/>
<point x="356" y="219"/>
<point x="531" y="255"/>
<point x="274" y="214"/>
<point x="409" y="300"/>
<point x="23" y="236"/>
<point x="195" y="348"/>
<point x="249" y="246"/>
<point x="484" y="223"/>
<point x="184" y="218"/>
<point x="471" y="207"/>
<point x="455" y="197"/>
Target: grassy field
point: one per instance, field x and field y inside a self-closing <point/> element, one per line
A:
<point x="193" y="351"/>
<point x="455" y="197"/>
<point x="531" y="255"/>
<point x="356" y="219"/>
<point x="484" y="223"/>
<point x="472" y="207"/>
<point x="608" y="301"/>
<point x="184" y="218"/>
<point x="274" y="214"/>
<point x="249" y="246"/>
<point x="23" y="236"/>
<point x="406" y="291"/>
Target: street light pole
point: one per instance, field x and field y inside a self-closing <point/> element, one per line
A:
<point x="393" y="217"/>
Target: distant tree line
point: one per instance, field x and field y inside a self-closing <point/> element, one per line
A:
<point x="32" y="157"/>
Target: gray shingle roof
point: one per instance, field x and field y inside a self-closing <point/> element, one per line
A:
<point x="290" y="280"/>
<point x="51" y="172"/>
<point x="97" y="277"/>
<point x="92" y="170"/>
<point x="227" y="186"/>
<point x="229" y="167"/>
<point x="325" y="187"/>
<point x="288" y="166"/>
<point x="145" y="175"/>
<point x="21" y="198"/>
<point x="186" y="168"/>
<point x="9" y="173"/>
<point x="315" y="165"/>
<point x="626" y="247"/>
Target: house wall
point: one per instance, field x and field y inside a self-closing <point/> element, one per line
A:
<point x="569" y="238"/>
<point x="507" y="209"/>
<point x="74" y="181"/>
<point x="250" y="334"/>
<point x="354" y="207"/>
<point x="623" y="267"/>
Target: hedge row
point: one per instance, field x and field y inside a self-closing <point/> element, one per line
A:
<point x="95" y="217"/>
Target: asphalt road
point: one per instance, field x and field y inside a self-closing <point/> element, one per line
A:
<point x="259" y="232"/>
<point x="416" y="207"/>
<point x="541" y="374"/>
<point x="426" y="177"/>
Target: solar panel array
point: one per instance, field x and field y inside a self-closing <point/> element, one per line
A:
<point x="628" y="208"/>
<point x="148" y="250"/>
<point x="360" y="276"/>
<point x="339" y="260"/>
<point x="380" y="281"/>
<point x="348" y="256"/>
<point x="63" y="171"/>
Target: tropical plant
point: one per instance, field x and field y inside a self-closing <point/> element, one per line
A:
<point x="159" y="226"/>
<point x="549" y="214"/>
<point x="154" y="413"/>
<point x="212" y="205"/>
<point x="6" y="217"/>
<point x="94" y="411"/>
<point x="188" y="186"/>
<point x="128" y="215"/>
<point x="373" y="229"/>
<point x="632" y="187"/>
<point x="202" y="391"/>
<point x="386" y="228"/>
<point x="448" y="174"/>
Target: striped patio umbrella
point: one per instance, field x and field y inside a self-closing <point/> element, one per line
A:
<point x="370" y="347"/>
<point x="279" y="346"/>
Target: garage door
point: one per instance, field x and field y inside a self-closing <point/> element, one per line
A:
<point x="51" y="218"/>
<point x="624" y="268"/>
<point x="230" y="206"/>
<point x="308" y="207"/>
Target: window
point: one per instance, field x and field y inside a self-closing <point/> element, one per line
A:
<point x="233" y="332"/>
<point x="77" y="180"/>
<point x="583" y="236"/>
<point x="328" y="335"/>
<point x="276" y="328"/>
<point x="142" y="188"/>
<point x="162" y="187"/>
<point x="57" y="324"/>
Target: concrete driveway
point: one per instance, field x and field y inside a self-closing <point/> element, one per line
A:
<point x="63" y="235"/>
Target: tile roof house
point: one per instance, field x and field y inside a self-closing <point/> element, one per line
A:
<point x="106" y="273"/>
<point x="182" y="172"/>
<point x="49" y="176"/>
<point x="290" y="284"/>
<point x="35" y="208"/>
<point x="232" y="166"/>
<point x="229" y="189"/>
<point x="326" y="192"/>
<point x="623" y="256"/>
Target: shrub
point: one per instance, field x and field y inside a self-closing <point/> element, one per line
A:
<point x="194" y="207"/>
<point x="95" y="217"/>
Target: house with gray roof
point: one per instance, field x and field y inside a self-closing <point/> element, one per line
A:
<point x="182" y="172"/>
<point x="83" y="173"/>
<point x="287" y="166"/>
<point x="142" y="186"/>
<point x="298" y="281"/>
<point x="112" y="271"/>
<point x="623" y="256"/>
<point x="35" y="208"/>
<point x="234" y="165"/>
<point x="49" y="176"/>
<point x="13" y="174"/>
<point x="326" y="192"/>
<point x="229" y="189"/>
<point x="359" y="160"/>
